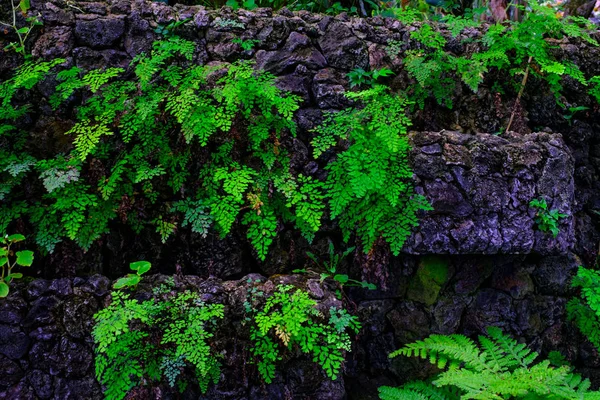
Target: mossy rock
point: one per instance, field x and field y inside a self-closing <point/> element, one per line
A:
<point x="431" y="276"/>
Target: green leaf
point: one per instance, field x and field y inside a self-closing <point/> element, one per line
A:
<point x="25" y="258"/>
<point x="16" y="275"/>
<point x="140" y="266"/>
<point x="341" y="278"/>
<point x="3" y="289"/>
<point x="127" y="281"/>
<point x="23" y="30"/>
<point x="24" y="5"/>
<point x="15" y="238"/>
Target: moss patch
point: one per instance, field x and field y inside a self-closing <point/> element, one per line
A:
<point x="431" y="275"/>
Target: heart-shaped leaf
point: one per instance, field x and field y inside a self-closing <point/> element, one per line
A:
<point x="140" y="266"/>
<point x="3" y="289"/>
<point x="25" y="258"/>
<point x="25" y="5"/>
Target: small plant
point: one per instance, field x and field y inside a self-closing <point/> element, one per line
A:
<point x="585" y="310"/>
<point x="22" y="33"/>
<point x="499" y="368"/>
<point x="164" y="337"/>
<point x="20" y="258"/>
<point x="359" y="76"/>
<point x="572" y="111"/>
<point x="132" y="280"/>
<point x="169" y="29"/>
<point x="331" y="266"/>
<point x="546" y="220"/>
<point x="246" y="45"/>
<point x="290" y="318"/>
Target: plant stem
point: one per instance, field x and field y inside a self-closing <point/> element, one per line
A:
<point x="523" y="83"/>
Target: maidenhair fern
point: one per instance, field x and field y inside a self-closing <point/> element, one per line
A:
<point x="140" y="342"/>
<point x="369" y="185"/>
<point x="290" y="319"/>
<point x="136" y="132"/>
<point x="498" y="368"/>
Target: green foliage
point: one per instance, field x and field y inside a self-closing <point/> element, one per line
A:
<point x="514" y="48"/>
<point x="329" y="268"/>
<point x="359" y="76"/>
<point x="142" y="132"/>
<point x="290" y="318"/>
<point x="246" y="44"/>
<point x="23" y="7"/>
<point x="571" y="111"/>
<point x="169" y="29"/>
<point x="370" y="184"/>
<point x="132" y="280"/>
<point x="585" y="310"/>
<point x="9" y="260"/>
<point x="165" y="337"/>
<point x="546" y="220"/>
<point x="499" y="368"/>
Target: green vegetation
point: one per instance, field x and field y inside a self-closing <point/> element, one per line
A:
<point x="520" y="48"/>
<point x="359" y="76"/>
<point x="369" y="185"/>
<point x="9" y="260"/>
<point x="546" y="220"/>
<point x="167" y="337"/>
<point x="499" y="368"/>
<point x="132" y="280"/>
<point x="290" y="318"/>
<point x="23" y="7"/>
<point x="329" y="269"/>
<point x="585" y="310"/>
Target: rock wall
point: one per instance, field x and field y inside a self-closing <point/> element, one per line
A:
<point x="476" y="260"/>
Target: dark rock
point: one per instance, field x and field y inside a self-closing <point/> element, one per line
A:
<point x="55" y="42"/>
<point x="553" y="274"/>
<point x="10" y="372"/>
<point x="42" y="312"/>
<point x="37" y="288"/>
<point x="14" y="343"/>
<point x="97" y="285"/>
<point x="342" y="49"/>
<point x="298" y="50"/>
<point x="41" y="383"/>
<point x="99" y="33"/>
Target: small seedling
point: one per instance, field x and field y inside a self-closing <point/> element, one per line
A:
<point x="246" y="44"/>
<point x="131" y="280"/>
<point x="572" y="111"/>
<point x="21" y="258"/>
<point x="546" y="220"/>
<point x="331" y="267"/>
<point x="359" y="76"/>
<point x="167" y="30"/>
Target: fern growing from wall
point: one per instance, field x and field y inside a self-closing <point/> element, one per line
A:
<point x="585" y="310"/>
<point x="498" y="368"/>
<point x="142" y="131"/>
<point x="369" y="185"/>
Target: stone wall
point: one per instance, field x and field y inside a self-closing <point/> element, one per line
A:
<point x="476" y="260"/>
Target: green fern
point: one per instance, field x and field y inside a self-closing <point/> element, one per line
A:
<point x="585" y="310"/>
<point x="369" y="185"/>
<point x="497" y="368"/>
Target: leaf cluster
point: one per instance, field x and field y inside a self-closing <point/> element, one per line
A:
<point x="546" y="220"/>
<point x="9" y="260"/>
<point x="498" y="368"/>
<point x="369" y="185"/>
<point x="585" y="309"/>
<point x="291" y="320"/>
<point x="167" y="337"/>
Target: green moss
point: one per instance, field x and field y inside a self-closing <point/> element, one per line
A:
<point x="431" y="275"/>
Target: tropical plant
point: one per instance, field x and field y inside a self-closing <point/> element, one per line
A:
<point x="585" y="309"/>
